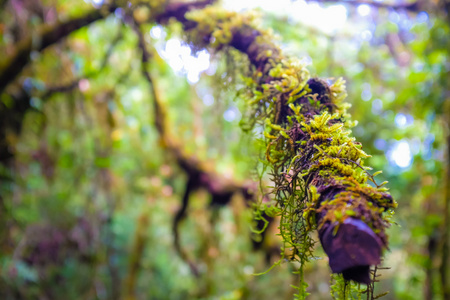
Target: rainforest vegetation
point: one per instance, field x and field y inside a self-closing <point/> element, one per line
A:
<point x="174" y="149"/>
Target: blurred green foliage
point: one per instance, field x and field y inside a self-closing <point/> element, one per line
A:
<point x="90" y="181"/>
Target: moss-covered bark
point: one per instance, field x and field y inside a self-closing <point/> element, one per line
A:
<point x="319" y="173"/>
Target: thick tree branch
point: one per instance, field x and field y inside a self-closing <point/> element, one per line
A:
<point x="301" y="148"/>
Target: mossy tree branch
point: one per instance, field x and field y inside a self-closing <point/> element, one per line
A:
<point x="45" y="36"/>
<point x="318" y="169"/>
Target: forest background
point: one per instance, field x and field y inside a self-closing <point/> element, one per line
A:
<point x="90" y="192"/>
